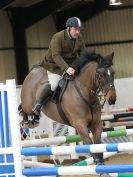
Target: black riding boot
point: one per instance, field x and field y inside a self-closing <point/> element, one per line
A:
<point x="44" y="97"/>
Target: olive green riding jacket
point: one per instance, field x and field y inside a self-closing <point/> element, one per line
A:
<point x="62" y="51"/>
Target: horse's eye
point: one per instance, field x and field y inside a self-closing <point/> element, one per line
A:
<point x="102" y="76"/>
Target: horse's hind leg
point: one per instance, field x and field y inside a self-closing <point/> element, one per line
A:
<point x="25" y="121"/>
<point x="20" y="108"/>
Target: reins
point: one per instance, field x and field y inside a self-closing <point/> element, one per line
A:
<point x="97" y="93"/>
<point x="80" y="94"/>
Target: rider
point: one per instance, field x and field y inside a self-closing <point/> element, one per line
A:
<point x="64" y="48"/>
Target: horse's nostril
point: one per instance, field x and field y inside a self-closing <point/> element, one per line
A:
<point x="111" y="101"/>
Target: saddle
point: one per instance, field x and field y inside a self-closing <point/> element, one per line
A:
<point x="62" y="85"/>
<point x="58" y="93"/>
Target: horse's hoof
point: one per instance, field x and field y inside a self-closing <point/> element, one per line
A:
<point x="33" y="124"/>
<point x="24" y="124"/>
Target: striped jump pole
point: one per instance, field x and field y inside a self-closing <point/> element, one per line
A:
<point x="116" y="116"/>
<point x="73" y="138"/>
<point x="124" y="119"/>
<point x="32" y="164"/>
<point x="121" y="110"/>
<point x="85" y="162"/>
<point x="64" y="150"/>
<point x="122" y="127"/>
<point x="122" y="175"/>
<point x="125" y="123"/>
<point x="76" y="170"/>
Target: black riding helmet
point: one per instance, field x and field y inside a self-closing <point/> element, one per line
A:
<point x="74" y="22"/>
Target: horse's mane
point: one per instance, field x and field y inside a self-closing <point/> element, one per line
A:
<point x="90" y="56"/>
<point x="85" y="57"/>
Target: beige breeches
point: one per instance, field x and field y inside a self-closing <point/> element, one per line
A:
<point x="53" y="80"/>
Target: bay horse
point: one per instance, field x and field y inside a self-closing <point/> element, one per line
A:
<point x="80" y="101"/>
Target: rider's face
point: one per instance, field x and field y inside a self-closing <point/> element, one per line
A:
<point x="75" y="32"/>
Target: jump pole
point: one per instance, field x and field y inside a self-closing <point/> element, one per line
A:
<point x="115" y="116"/>
<point x="122" y="127"/>
<point x="121" y="110"/>
<point x="64" y="150"/>
<point x="73" y="138"/>
<point x="76" y="170"/>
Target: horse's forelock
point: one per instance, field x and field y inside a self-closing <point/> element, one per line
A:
<point x="107" y="62"/>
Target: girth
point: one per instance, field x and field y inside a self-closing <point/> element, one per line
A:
<point x="58" y="96"/>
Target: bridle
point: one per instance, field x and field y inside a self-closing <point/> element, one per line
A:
<point x="99" y="92"/>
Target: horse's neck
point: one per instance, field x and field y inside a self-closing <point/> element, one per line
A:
<point x="87" y="76"/>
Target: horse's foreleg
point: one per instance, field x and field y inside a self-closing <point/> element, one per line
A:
<point x="82" y="130"/>
<point x="97" y="140"/>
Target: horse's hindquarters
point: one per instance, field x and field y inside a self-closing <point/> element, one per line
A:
<point x="32" y="87"/>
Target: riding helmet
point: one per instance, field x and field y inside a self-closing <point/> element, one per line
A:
<point x="74" y="22"/>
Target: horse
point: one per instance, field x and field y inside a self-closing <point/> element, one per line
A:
<point x="80" y="102"/>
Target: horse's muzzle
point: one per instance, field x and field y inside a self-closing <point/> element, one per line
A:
<point x="111" y="100"/>
<point x="111" y="97"/>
